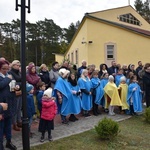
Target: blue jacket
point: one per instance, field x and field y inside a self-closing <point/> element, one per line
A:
<point x="30" y="105"/>
<point x="39" y="96"/>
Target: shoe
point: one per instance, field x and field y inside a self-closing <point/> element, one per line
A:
<point x="76" y="118"/>
<point x="42" y="139"/>
<point x="65" y="122"/>
<point x="11" y="146"/>
<point x="71" y="119"/>
<point x="31" y="135"/>
<point x="19" y="124"/>
<point x="112" y="114"/>
<point x="16" y="128"/>
<point x="87" y="115"/>
<point x="50" y="138"/>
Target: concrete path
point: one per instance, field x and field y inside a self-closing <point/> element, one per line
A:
<point x="61" y="130"/>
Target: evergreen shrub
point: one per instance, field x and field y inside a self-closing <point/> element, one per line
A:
<point x="147" y="115"/>
<point x="107" y="128"/>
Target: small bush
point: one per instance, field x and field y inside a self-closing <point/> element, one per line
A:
<point x="147" y="115"/>
<point x="107" y="128"/>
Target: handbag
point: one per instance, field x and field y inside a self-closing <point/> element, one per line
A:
<point x="18" y="93"/>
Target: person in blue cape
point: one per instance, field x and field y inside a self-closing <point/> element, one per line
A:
<point x="76" y="97"/>
<point x="86" y="90"/>
<point x="104" y="81"/>
<point x="134" y="97"/>
<point x="64" y="96"/>
<point x="118" y="76"/>
<point x="97" y="93"/>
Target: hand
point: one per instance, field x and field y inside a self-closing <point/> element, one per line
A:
<point x="1" y="116"/>
<point x="9" y="76"/>
<point x="74" y="92"/>
<point x="4" y="105"/>
<point x="17" y="87"/>
<point x="134" y="89"/>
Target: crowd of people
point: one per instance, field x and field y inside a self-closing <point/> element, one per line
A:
<point x="69" y="91"/>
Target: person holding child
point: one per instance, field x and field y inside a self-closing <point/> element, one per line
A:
<point x="48" y="113"/>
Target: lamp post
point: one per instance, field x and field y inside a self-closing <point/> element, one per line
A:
<point x="25" y="121"/>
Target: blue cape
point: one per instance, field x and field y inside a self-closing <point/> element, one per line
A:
<point x="136" y="96"/>
<point x="67" y="107"/>
<point x="117" y="79"/>
<point x="99" y="90"/>
<point x="86" y="99"/>
<point x="104" y="82"/>
<point x="76" y="101"/>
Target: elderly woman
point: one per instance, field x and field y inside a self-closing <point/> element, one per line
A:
<point x="6" y="96"/>
<point x="15" y="72"/>
<point x="64" y="96"/>
<point x="85" y="85"/>
<point x="111" y="95"/>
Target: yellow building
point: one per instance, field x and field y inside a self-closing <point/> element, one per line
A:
<point x="119" y="34"/>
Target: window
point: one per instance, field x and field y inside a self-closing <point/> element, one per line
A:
<point x="129" y="18"/>
<point x="110" y="52"/>
<point x="72" y="60"/>
<point x="68" y="56"/>
<point x="76" y="56"/>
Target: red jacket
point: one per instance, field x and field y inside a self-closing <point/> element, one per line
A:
<point x="49" y="109"/>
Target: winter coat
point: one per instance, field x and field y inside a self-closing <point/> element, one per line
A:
<point x="49" y="109"/>
<point x="44" y="75"/>
<point x="6" y="96"/>
<point x="39" y="96"/>
<point x="32" y="78"/>
<point x="53" y="76"/>
<point x="30" y="105"/>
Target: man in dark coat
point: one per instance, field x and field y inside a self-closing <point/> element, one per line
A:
<point x="146" y="83"/>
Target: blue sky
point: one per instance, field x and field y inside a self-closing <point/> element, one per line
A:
<point x="62" y="12"/>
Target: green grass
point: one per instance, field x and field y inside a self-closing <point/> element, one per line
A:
<point x="134" y="135"/>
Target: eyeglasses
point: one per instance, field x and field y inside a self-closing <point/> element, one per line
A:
<point x="5" y="68"/>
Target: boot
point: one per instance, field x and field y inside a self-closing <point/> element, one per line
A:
<point x="19" y="124"/>
<point x="15" y="127"/>
<point x="71" y="118"/>
<point x="10" y="145"/>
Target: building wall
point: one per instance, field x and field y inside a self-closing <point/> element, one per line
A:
<point x="59" y="58"/>
<point x="79" y="45"/>
<point x="113" y="15"/>
<point x="130" y="47"/>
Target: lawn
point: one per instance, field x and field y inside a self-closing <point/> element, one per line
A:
<point x="134" y="135"/>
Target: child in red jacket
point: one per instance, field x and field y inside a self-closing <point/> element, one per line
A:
<point x="49" y="111"/>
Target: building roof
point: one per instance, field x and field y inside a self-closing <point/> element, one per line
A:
<point x="137" y="30"/>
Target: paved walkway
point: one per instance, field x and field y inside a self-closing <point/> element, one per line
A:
<point x="61" y="131"/>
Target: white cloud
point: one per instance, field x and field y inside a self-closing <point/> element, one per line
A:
<point x="62" y="12"/>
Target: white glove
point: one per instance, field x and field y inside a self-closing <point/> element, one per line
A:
<point x="74" y="92"/>
<point x="134" y="89"/>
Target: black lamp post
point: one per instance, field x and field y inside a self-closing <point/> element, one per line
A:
<point x="25" y="121"/>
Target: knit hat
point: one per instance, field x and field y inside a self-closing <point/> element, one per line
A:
<point x="63" y="72"/>
<point x="48" y="92"/>
<point x="29" y="87"/>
